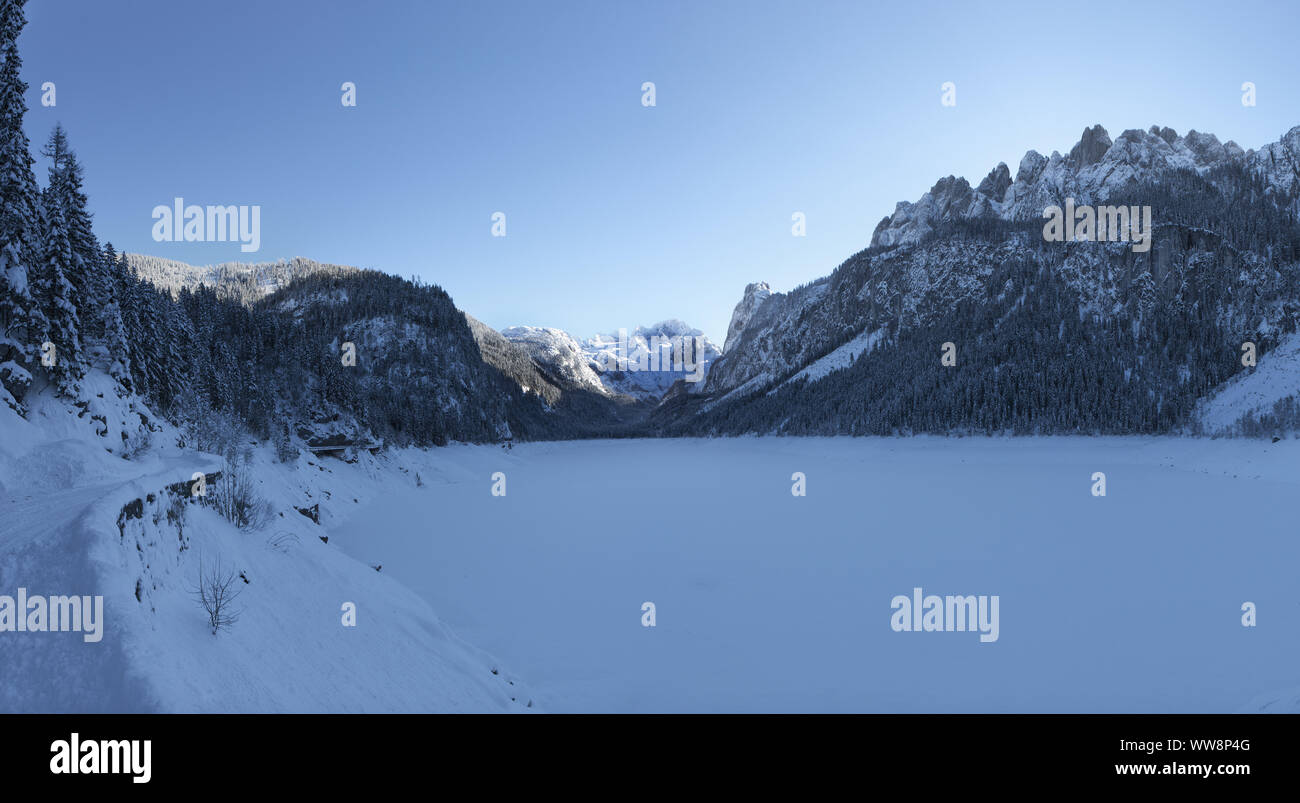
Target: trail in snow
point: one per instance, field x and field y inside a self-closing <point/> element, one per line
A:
<point x="291" y="649"/>
<point x="46" y="548"/>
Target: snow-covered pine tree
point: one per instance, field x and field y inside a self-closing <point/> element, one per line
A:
<point x="100" y="319"/>
<point x="54" y="297"/>
<point x="19" y="314"/>
<point x="142" y="332"/>
<point x="114" y="328"/>
<point x="92" y="276"/>
<point x="176" y="336"/>
<point x="63" y="190"/>
<point x="152" y="348"/>
<point x="129" y="295"/>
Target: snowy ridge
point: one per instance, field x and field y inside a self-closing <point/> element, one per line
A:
<point x="1095" y="170"/>
<point x="245" y="281"/>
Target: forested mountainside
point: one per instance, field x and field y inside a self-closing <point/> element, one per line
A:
<point x="1039" y="336"/>
<point x="335" y="355"/>
<point x="237" y="281"/>
<point x="1087" y="337"/>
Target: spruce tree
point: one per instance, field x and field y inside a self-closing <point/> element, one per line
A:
<point x="54" y="296"/>
<point x="95" y="287"/>
<point x="111" y="316"/>
<point x="20" y="318"/>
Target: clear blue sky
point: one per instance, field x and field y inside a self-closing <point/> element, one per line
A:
<point x="617" y="215"/>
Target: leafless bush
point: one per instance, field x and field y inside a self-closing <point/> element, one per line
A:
<point x="234" y="497"/>
<point x="217" y="591"/>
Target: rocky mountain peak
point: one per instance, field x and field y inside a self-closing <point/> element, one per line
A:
<point x="1097" y="167"/>
<point x="1092" y="146"/>
<point x="755" y="294"/>
<point x="995" y="184"/>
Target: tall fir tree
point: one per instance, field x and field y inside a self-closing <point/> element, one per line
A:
<point x="103" y="333"/>
<point x="54" y="295"/>
<point x="20" y="317"/>
<point x="111" y="316"/>
<point x="63" y="190"/>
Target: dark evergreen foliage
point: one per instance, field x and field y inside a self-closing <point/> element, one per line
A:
<point x="1035" y="355"/>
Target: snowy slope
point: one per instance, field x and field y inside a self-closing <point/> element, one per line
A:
<point x="61" y="495"/>
<point x="560" y="352"/>
<point x="1275" y="377"/>
<point x="841" y="357"/>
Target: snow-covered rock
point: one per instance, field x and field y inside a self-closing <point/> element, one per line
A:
<point x="755" y="294"/>
<point x="1095" y="170"/>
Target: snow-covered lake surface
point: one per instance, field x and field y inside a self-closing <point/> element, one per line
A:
<point x="770" y="602"/>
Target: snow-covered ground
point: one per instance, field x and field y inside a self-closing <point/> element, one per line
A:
<point x="765" y="601"/>
<point x="770" y="602"/>
<point x="61" y="494"/>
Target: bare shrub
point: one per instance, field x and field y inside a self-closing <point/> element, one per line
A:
<point x="234" y="496"/>
<point x="217" y="591"/>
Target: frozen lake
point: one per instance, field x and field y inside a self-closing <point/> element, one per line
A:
<point x="770" y="602"/>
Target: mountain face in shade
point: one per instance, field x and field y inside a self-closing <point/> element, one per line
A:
<point x="1048" y="336"/>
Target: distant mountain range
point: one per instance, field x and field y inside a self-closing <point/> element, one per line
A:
<point x="548" y="363"/>
<point x="643" y="363"/>
<point x="1089" y="337"/>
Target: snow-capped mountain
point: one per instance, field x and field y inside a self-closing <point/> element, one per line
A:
<point x="647" y="361"/>
<point x="515" y="361"/>
<point x="1116" y="340"/>
<point x="560" y="352"/>
<point x="642" y="364"/>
